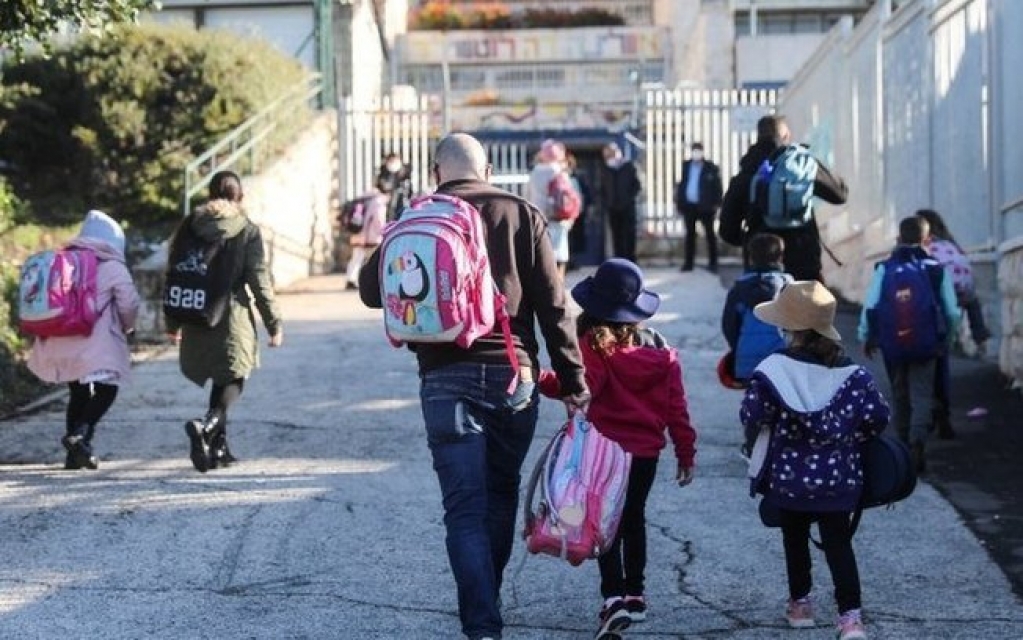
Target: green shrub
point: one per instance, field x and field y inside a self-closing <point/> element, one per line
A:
<point x="110" y="122"/>
<point x="17" y="384"/>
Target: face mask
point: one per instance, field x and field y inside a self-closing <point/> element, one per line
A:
<point x="697" y="156"/>
<point x="393" y="167"/>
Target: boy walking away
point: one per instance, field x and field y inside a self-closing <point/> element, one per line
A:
<point x="636" y="382"/>
<point x="749" y="339"/>
<point x="94" y="366"/>
<point x="909" y="313"/>
<point x="819" y="408"/>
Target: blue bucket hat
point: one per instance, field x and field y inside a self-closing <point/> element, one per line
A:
<point x="615" y="293"/>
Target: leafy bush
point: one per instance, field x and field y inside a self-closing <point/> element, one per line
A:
<point x="437" y="15"/>
<point x="110" y="122"/>
<point x="17" y="384"/>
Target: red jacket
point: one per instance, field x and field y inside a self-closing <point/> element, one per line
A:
<point x="637" y="393"/>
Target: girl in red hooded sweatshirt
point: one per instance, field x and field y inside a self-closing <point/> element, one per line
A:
<point x="635" y="380"/>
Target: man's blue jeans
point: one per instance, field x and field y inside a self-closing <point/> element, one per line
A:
<point x="479" y="438"/>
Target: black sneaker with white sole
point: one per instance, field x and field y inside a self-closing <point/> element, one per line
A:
<point x="636" y="606"/>
<point x="614" y="618"/>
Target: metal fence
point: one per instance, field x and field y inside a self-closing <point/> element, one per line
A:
<point x="368" y="133"/>
<point x="724" y="121"/>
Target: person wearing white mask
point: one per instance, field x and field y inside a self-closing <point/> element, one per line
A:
<point x="697" y="199"/>
<point x="395" y="181"/>
<point x="619" y="187"/>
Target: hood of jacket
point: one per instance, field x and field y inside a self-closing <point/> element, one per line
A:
<point x="802" y="385"/>
<point x="219" y="219"/>
<point x="102" y="234"/>
<point x="639" y="368"/>
<point x="756" y="155"/>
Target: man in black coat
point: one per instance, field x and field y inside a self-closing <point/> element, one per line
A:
<point x="739" y="220"/>
<point x="619" y="186"/>
<point x="697" y="198"/>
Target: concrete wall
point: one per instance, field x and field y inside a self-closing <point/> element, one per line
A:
<point x="293" y="202"/>
<point x="920" y="109"/>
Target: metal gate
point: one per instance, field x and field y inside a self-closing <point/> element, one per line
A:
<point x="725" y="121"/>
<point x="368" y="133"/>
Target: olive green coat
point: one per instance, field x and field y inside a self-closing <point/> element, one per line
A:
<point x="230" y="350"/>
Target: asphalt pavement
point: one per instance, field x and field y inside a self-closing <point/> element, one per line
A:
<point x="330" y="527"/>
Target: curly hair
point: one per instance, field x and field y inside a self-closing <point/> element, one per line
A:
<point x="607" y="337"/>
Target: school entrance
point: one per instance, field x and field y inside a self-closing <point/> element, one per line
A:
<point x="724" y="121"/>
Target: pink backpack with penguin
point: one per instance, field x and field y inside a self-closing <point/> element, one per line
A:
<point x="582" y="477"/>
<point x="57" y="293"/>
<point x="435" y="280"/>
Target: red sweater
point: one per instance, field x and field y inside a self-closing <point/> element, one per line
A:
<point x="637" y="395"/>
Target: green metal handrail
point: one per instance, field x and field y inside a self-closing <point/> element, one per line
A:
<point x="245" y="139"/>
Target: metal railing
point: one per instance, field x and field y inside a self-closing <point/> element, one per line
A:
<point x="247" y="141"/>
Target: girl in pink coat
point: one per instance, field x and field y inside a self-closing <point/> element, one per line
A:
<point x="93" y="366"/>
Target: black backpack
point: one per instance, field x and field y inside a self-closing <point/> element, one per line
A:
<point x="200" y="278"/>
<point x="888" y="477"/>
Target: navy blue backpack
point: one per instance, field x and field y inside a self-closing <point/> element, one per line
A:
<point x="888" y="477"/>
<point x="907" y="321"/>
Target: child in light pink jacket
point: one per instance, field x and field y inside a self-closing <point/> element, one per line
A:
<point x="93" y="366"/>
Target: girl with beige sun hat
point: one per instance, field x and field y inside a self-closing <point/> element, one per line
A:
<point x="816" y="407"/>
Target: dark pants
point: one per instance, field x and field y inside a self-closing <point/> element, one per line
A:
<point x="838" y="551"/>
<point x="478" y="438"/>
<point x="975" y="316"/>
<point x="623" y="232"/>
<point x="913" y="398"/>
<point x="942" y="409"/>
<point x="222" y="397"/>
<point x="622" y="566"/>
<point x="692" y="216"/>
<point x="87" y="404"/>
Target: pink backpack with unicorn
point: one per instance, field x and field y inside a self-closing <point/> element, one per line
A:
<point x="57" y="293"/>
<point x="582" y="477"/>
<point x="435" y="279"/>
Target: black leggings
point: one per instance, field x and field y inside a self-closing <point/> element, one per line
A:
<point x="622" y="566"/>
<point x="222" y="397"/>
<point x="838" y="551"/>
<point x="88" y="404"/>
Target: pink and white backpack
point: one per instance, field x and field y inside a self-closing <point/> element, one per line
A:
<point x="435" y="278"/>
<point x="57" y="293"/>
<point x="582" y="477"/>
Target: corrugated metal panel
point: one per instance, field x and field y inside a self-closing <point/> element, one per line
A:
<point x="959" y="124"/>
<point x="907" y="100"/>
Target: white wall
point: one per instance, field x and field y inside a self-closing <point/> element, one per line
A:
<point x="760" y="59"/>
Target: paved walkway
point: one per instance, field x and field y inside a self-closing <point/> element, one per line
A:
<point x="331" y="526"/>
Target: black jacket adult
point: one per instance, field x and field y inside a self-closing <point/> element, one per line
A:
<point x="710" y="190"/>
<point x="620" y="186"/>
<point x="739" y="220"/>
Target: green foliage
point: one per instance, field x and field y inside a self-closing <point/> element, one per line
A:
<point x="17" y="384"/>
<point x="111" y="122"/>
<point x="27" y="22"/>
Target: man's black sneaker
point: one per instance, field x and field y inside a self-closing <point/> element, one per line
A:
<point x="200" y="449"/>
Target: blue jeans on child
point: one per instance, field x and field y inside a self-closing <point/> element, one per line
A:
<point x="478" y="438"/>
